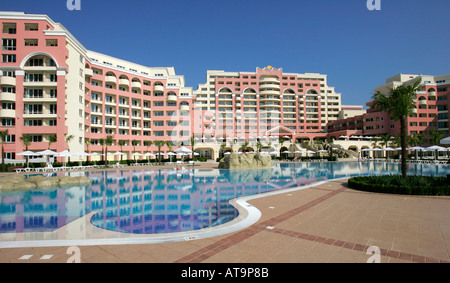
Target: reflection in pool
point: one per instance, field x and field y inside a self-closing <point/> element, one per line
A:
<point x="167" y="201"/>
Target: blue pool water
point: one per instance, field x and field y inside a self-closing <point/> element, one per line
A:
<point x="167" y="201"/>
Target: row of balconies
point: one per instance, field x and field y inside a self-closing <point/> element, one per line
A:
<point x="124" y="82"/>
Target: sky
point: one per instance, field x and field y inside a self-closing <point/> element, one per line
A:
<point x="357" y="48"/>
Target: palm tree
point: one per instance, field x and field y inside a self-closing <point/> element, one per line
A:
<point x="258" y="145"/>
<point x="159" y="144"/>
<point x="108" y="142"/>
<point x="435" y="136"/>
<point x="102" y="143"/>
<point x="87" y="142"/>
<point x="399" y="104"/>
<point x="245" y="146"/>
<point x="329" y="144"/>
<point x="385" y="139"/>
<point x="192" y="144"/>
<point x="51" y="139"/>
<point x="68" y="139"/>
<point x="121" y="143"/>
<point x="3" y="135"/>
<point x="26" y="140"/>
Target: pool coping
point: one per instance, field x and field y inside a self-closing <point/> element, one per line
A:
<point x="92" y="235"/>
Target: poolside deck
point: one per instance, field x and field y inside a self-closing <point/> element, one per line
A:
<point x="326" y="223"/>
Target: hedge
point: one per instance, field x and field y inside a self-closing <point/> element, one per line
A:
<point x="395" y="184"/>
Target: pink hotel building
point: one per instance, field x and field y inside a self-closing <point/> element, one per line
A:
<point x="51" y="85"/>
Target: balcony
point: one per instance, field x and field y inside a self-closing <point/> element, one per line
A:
<point x="7" y="113"/>
<point x="8" y="81"/>
<point x="124" y="82"/>
<point x="88" y="72"/>
<point x="270" y="92"/>
<point x="172" y="98"/>
<point x="136" y="85"/>
<point x="158" y="88"/>
<point x="184" y="108"/>
<point x="111" y="79"/>
<point x="269" y="80"/>
<point x="7" y="96"/>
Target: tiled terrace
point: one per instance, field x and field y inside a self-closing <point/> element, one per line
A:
<point x="328" y="223"/>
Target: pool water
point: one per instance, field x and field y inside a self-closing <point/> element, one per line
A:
<point x="168" y="201"/>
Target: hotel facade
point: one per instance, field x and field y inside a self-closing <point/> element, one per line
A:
<point x="52" y="86"/>
<point x="65" y="97"/>
<point x="430" y="111"/>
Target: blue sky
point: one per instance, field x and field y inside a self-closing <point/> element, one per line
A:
<point x="357" y="48"/>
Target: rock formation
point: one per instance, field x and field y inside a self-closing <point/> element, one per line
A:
<point x="246" y="161"/>
<point x="20" y="182"/>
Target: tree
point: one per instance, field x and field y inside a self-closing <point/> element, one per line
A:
<point x="102" y="143"/>
<point x="159" y="144"/>
<point x="68" y="139"/>
<point x="51" y="139"/>
<point x="385" y="139"/>
<point x="87" y="142"/>
<point x="435" y="136"/>
<point x="121" y="143"/>
<point x="26" y="140"/>
<point x="399" y="104"/>
<point x="259" y="145"/>
<point x="329" y="144"/>
<point x="108" y="142"/>
<point x="192" y="145"/>
<point x="3" y="135"/>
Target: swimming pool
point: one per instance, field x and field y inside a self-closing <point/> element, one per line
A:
<point x="170" y="201"/>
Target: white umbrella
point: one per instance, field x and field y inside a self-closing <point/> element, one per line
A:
<point x="287" y="151"/>
<point x="183" y="150"/>
<point x="46" y="152"/>
<point x="149" y="154"/>
<point x="136" y="154"/>
<point x="64" y="153"/>
<point x="445" y="140"/>
<point x="436" y="147"/>
<point x="310" y="151"/>
<point x="416" y="148"/>
<point x="28" y="153"/>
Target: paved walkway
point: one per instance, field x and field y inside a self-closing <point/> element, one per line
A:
<point x="325" y="223"/>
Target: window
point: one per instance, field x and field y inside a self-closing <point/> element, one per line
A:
<point x="35" y="62"/>
<point x="9" y="58"/>
<point x="8" y="122"/>
<point x="8" y="44"/>
<point x="9" y="105"/>
<point x="9" y="89"/>
<point x="53" y="109"/>
<point x="158" y="134"/>
<point x="31" y="27"/>
<point x="34" y="78"/>
<point x="51" y="42"/>
<point x="31" y="42"/>
<point x="32" y="123"/>
<point x="9" y="28"/>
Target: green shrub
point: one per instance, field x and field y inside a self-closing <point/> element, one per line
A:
<point x="396" y="184"/>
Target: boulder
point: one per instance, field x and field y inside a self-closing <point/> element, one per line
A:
<point x="246" y="161"/>
<point x="65" y="181"/>
<point x="25" y="186"/>
<point x="46" y="183"/>
<point x="19" y="182"/>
